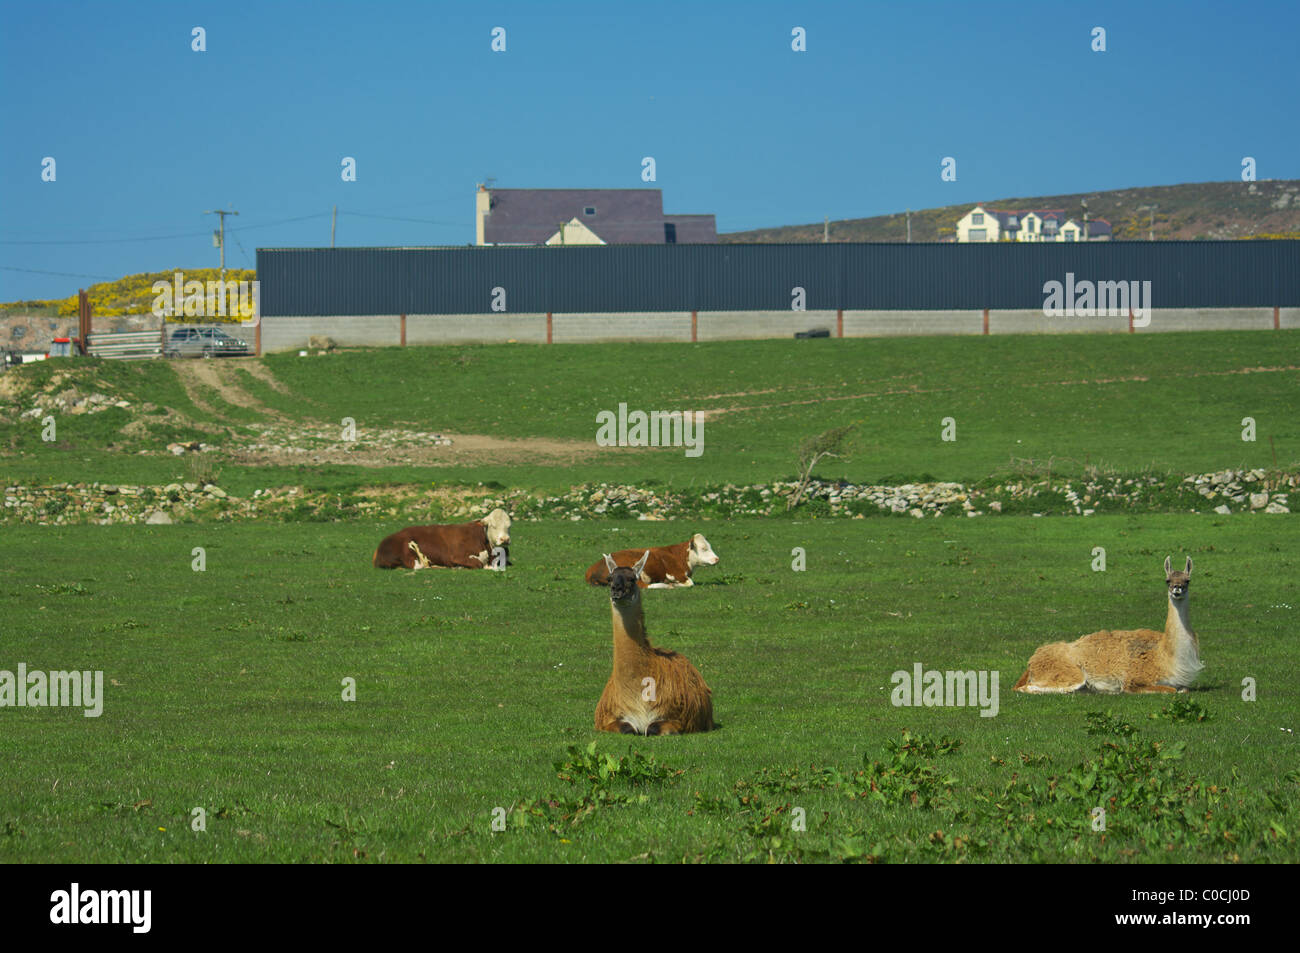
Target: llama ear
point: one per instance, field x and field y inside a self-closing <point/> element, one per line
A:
<point x="1189" y="565"/>
<point x="1169" y="566"/>
<point x="609" y="562"/>
<point x="641" y="563"/>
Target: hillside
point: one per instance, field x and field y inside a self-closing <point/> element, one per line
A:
<point x="1119" y="402"/>
<point x="1204" y="210"/>
<point x="130" y="295"/>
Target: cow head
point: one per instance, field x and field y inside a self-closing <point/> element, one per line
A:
<point x="497" y="524"/>
<point x="701" y="553"/>
<point x="623" y="589"/>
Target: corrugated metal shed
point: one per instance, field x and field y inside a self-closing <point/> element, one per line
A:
<point x="460" y="280"/>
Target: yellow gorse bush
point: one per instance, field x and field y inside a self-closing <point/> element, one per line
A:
<point x="134" y="294"/>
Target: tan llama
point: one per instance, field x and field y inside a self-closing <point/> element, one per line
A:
<point x="1132" y="660"/>
<point x="651" y="691"/>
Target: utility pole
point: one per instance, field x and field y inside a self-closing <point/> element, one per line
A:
<point x="1151" y="235"/>
<point x="909" y="226"/>
<point x="334" y="220"/>
<point x="826" y="230"/>
<point x="1084" y="203"/>
<point x="221" y="240"/>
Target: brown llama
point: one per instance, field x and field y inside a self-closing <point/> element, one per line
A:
<point x="1133" y="660"/>
<point x="651" y="691"/>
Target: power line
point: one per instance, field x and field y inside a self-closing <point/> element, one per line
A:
<point x="240" y="246"/>
<point x="105" y="241"/>
<point x="282" y="221"/>
<point x="152" y="238"/>
<point x="287" y="221"/>
<point x="459" y="197"/>
<point x="396" y="218"/>
<point x="64" y="274"/>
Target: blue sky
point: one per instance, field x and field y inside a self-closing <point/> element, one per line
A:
<point x="147" y="134"/>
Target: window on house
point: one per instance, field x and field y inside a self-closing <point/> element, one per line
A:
<point x="977" y="234"/>
<point x="1069" y="234"/>
<point x="1029" y="224"/>
<point x="589" y="210"/>
<point x="977" y="218"/>
<point x="670" y="233"/>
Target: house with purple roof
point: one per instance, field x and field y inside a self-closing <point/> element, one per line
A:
<point x="584" y="217"/>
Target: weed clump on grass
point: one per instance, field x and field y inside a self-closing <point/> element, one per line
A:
<point x="907" y="778"/>
<point x="1182" y="710"/>
<point x="596" y="781"/>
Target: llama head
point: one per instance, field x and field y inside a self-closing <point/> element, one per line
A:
<point x="700" y="553"/>
<point x="1179" y="582"/>
<point x="623" y="579"/>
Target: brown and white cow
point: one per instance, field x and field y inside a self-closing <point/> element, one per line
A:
<point x="667" y="567"/>
<point x="467" y="545"/>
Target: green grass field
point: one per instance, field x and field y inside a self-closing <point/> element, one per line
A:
<point x="1169" y="401"/>
<point x="475" y="691"/>
<point x="226" y="695"/>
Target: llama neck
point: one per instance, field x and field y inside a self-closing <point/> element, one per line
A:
<point x="631" y="645"/>
<point x="1177" y="628"/>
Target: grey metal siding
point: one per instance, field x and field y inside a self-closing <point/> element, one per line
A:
<point x="596" y="279"/>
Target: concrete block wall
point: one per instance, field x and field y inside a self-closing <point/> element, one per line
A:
<point x="1216" y="319"/>
<point x="870" y="324"/>
<point x="1035" y="322"/>
<point x="287" y="333"/>
<point x="630" y="326"/>
<point x="473" y="329"/>
<point x="752" y="325"/>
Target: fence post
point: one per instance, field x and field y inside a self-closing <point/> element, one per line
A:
<point x="83" y="318"/>
<point x="1130" y="321"/>
<point x="839" y="323"/>
<point x="548" y="327"/>
<point x="695" y="327"/>
<point x="986" y="320"/>
<point x="257" y="337"/>
<point x="403" y="330"/>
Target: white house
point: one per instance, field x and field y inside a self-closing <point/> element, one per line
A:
<point x="574" y="233"/>
<point x="985" y="224"/>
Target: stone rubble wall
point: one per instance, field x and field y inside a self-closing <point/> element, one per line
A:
<point x="1225" y="492"/>
<point x="36" y="332"/>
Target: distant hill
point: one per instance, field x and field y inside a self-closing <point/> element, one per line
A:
<point x="1205" y="210"/>
<point x="130" y="295"/>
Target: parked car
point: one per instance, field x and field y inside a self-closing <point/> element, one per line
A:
<point x="206" y="342"/>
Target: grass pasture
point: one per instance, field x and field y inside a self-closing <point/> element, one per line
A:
<point x="226" y="695"/>
<point x="1172" y="402"/>
<point x="475" y="690"/>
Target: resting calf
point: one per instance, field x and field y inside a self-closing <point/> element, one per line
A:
<point x="465" y="545"/>
<point x="666" y="567"/>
